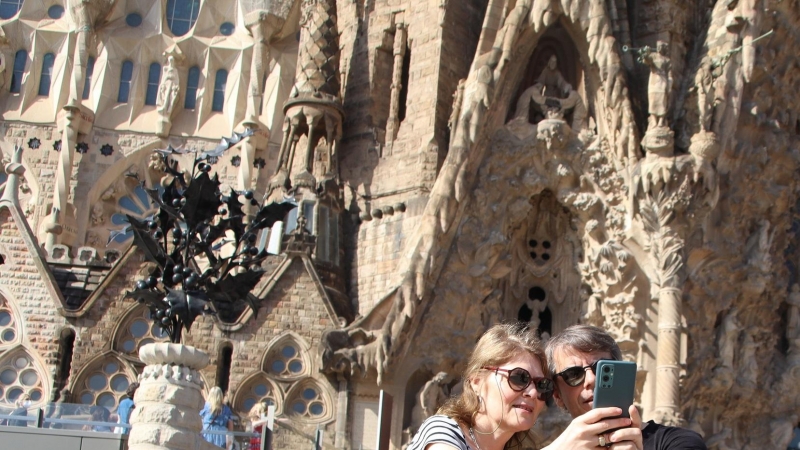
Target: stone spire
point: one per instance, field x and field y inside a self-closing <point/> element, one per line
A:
<point x="314" y="112"/>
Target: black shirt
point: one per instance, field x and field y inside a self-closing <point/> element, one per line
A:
<point x="662" y="437"/>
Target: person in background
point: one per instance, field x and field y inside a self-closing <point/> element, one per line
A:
<point x="126" y="408"/>
<point x="20" y="409"/>
<point x="99" y="414"/>
<point x="217" y="416"/>
<point x="257" y="417"/>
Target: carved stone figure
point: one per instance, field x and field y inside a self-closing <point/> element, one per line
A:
<point x="98" y="214"/>
<point x="430" y="398"/>
<point x="553" y="96"/>
<point x="793" y="315"/>
<point x="660" y="84"/>
<point x="170" y="88"/>
<point x="728" y="337"/>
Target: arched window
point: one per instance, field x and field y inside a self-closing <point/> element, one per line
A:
<point x="153" y="78"/>
<point x="219" y="90"/>
<point x="190" y="102"/>
<point x="20" y="59"/>
<point x="181" y="15"/>
<point x="9" y="8"/>
<point x="87" y="82"/>
<point x="47" y="74"/>
<point x="224" y="366"/>
<point x="125" y="76"/>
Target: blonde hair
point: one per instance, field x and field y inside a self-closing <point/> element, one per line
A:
<point x="499" y="344"/>
<point x="214" y="400"/>
<point x="258" y="410"/>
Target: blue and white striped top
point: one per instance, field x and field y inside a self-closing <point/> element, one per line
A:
<point x="439" y="429"/>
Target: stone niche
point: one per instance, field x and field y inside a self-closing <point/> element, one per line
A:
<point x="558" y="80"/>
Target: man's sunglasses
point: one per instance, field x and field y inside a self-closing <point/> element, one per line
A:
<point x="519" y="379"/>
<point x="574" y="376"/>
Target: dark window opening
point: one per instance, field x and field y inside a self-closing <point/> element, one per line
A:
<point x="153" y="79"/>
<point x="525" y="314"/>
<point x="125" y="76"/>
<point x="534" y="255"/>
<point x="546" y="321"/>
<point x="47" y="74"/>
<point x="66" y="346"/>
<point x="9" y="8"/>
<point x="181" y="15"/>
<point x="224" y="366"/>
<point x="545" y="256"/>
<point x="190" y="102"/>
<point x="20" y="59"/>
<point x="546" y="244"/>
<point x="537" y="293"/>
<point x="533" y="243"/>
<point x="401" y="108"/>
<point x="2" y="260"/>
<point x="219" y="90"/>
<point x="87" y="83"/>
<point x="797" y="127"/>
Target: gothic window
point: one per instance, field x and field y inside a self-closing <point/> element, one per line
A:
<point x="404" y="78"/>
<point x="20" y="59"/>
<point x="47" y="74"/>
<point x="125" y="77"/>
<point x="192" y="83"/>
<point x="291" y="217"/>
<point x="18" y="376"/>
<point x="327" y="227"/>
<point x="181" y="15"/>
<point x="138" y="330"/>
<point x="9" y="8"/>
<point x="153" y="78"/>
<point x="259" y="389"/>
<point x="87" y="81"/>
<point x="286" y="362"/>
<point x="219" y="90"/>
<point x="8" y="327"/>
<point x="103" y="384"/>
<point x="306" y="402"/>
<point x="224" y="366"/>
<point x="55" y="12"/>
<point x="136" y="204"/>
<point x="66" y="348"/>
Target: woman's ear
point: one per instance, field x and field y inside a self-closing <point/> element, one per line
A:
<point x="475" y="383"/>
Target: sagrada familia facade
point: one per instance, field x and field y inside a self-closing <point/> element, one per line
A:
<point x="456" y="163"/>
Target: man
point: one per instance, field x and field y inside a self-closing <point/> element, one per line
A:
<point x="571" y="356"/>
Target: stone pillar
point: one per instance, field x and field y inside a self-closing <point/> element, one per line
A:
<point x="400" y="47"/>
<point x="55" y="221"/>
<point x="668" y="358"/>
<point x="169" y="399"/>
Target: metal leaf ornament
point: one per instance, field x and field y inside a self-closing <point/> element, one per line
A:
<point x="203" y="244"/>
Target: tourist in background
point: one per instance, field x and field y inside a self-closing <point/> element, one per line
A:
<point x="217" y="417"/>
<point x="126" y="408"/>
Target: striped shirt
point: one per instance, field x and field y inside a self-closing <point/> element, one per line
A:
<point x="439" y="429"/>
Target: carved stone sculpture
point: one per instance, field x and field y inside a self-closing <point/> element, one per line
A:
<point x="170" y="88"/>
<point x="553" y="96"/>
<point x="660" y="84"/>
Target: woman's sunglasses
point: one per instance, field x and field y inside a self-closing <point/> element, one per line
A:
<point x="519" y="379"/>
<point x="574" y="376"/>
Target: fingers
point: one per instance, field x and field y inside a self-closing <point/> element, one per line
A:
<point x="636" y="419"/>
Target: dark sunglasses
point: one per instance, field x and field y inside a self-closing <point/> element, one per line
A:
<point x="574" y="376"/>
<point x="519" y="379"/>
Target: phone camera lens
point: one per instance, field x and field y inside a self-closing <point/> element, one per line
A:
<point x="605" y="378"/>
<point x="606" y="369"/>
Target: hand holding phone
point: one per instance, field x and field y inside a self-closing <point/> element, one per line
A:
<point x="614" y="385"/>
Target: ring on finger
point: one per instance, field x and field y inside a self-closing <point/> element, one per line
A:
<point x="601" y="440"/>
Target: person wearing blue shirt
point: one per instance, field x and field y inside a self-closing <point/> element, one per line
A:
<point x="126" y="408"/>
<point x="216" y="417"/>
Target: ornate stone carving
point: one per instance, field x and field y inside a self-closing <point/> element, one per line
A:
<point x="659" y="87"/>
<point x="553" y="96"/>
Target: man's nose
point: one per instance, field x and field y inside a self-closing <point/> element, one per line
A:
<point x="588" y="382"/>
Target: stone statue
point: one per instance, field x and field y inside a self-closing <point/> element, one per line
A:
<point x="660" y="83"/>
<point x="98" y="214"/>
<point x="430" y="398"/>
<point x="553" y="96"/>
<point x="728" y="336"/>
<point x="170" y="88"/>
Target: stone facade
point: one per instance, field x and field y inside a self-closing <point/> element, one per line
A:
<point x="457" y="163"/>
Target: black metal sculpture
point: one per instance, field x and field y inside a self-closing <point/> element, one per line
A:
<point x="203" y="243"/>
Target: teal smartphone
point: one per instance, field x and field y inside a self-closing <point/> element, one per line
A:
<point x="614" y="385"/>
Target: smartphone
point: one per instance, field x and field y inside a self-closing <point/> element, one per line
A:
<point x="614" y="385"/>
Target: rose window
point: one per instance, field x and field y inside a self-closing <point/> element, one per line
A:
<point x="138" y="331"/>
<point x="308" y="404"/>
<point x="137" y="205"/>
<point x="17" y="377"/>
<point x="258" y="391"/>
<point x="105" y="385"/>
<point x="286" y="362"/>
<point x="8" y="331"/>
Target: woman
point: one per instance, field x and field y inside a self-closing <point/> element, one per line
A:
<point x="257" y="416"/>
<point x="216" y="417"/>
<point x="99" y="414"/>
<point x="125" y="408"/>
<point x="504" y="390"/>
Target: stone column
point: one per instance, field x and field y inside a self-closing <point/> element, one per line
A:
<point x="169" y="399"/>
<point x="54" y="222"/>
<point x="400" y="47"/>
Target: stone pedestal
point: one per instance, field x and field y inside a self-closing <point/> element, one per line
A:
<point x="169" y="399"/>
